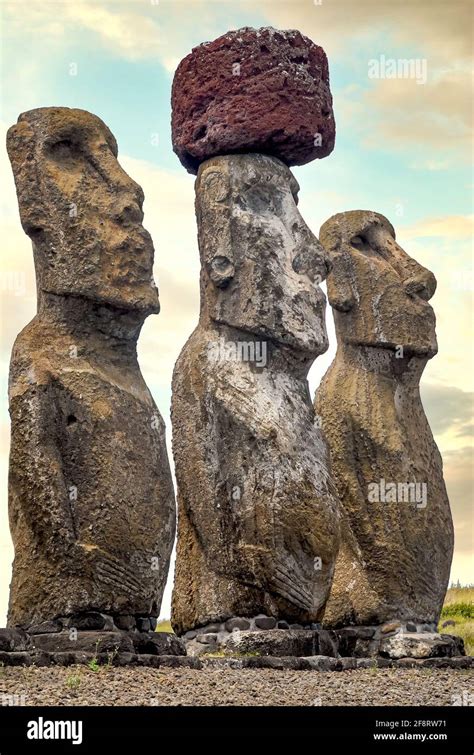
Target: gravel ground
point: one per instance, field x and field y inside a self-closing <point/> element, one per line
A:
<point x="79" y="685"/>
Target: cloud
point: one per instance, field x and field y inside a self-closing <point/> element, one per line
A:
<point x="134" y="35"/>
<point x="394" y="113"/>
<point x="458" y="466"/>
<point x="163" y="30"/>
<point x="456" y="227"/>
<point x="430" y="164"/>
<point x="436" y="114"/>
<point x="130" y="29"/>
<point x="446" y="30"/>
<point x="448" y="408"/>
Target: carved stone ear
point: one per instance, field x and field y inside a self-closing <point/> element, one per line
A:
<point x="221" y="271"/>
<point x="214" y="215"/>
<point x="341" y="294"/>
<point x="20" y="148"/>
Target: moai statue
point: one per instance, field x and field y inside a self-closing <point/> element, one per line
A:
<point x="258" y="516"/>
<point x="397" y="532"/>
<point x="91" y="500"/>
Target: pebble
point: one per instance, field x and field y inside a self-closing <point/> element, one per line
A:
<point x="78" y="685"/>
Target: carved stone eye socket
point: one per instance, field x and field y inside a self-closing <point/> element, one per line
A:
<point x="64" y="149"/>
<point x="362" y="244"/>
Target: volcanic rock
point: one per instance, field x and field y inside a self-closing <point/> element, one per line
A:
<point x="91" y="502"/>
<point x="258" y="523"/>
<point x="253" y="91"/>
<point x="397" y="532"/>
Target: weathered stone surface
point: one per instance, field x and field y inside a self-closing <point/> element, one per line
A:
<point x="16" y="658"/>
<point x="237" y="623"/>
<point x="167" y="661"/>
<point x="91" y="498"/>
<point x="88" y="641"/>
<point x="395" y="555"/>
<point x="265" y="622"/>
<point x="71" y="658"/>
<point x="373" y="662"/>
<point x="124" y="659"/>
<point x="461" y="662"/>
<point x="253" y="90"/>
<point x="390" y="626"/>
<point x="158" y="643"/>
<point x="346" y="664"/>
<point x="45" y="627"/>
<point x="320" y="663"/>
<point x="421" y="646"/>
<point x="143" y="624"/>
<point x="365" y="633"/>
<point x="13" y="639"/>
<point x="91" y="620"/>
<point x="294" y="663"/>
<point x="125" y="622"/>
<point x="327" y="643"/>
<point x="209" y="629"/>
<point x="258" y="513"/>
<point x="356" y="642"/>
<point x="277" y="642"/>
<point x="208" y="637"/>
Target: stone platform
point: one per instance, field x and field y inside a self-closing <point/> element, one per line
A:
<point x="70" y="646"/>
<point x="227" y="645"/>
<point x="264" y="636"/>
<point x="283" y="663"/>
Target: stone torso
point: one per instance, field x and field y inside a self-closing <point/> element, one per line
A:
<point x="398" y="560"/>
<point x="91" y="426"/>
<point x="260" y="499"/>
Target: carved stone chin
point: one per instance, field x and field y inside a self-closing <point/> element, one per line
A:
<point x="91" y="501"/>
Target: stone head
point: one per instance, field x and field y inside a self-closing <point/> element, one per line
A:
<point x="81" y="210"/>
<point x="378" y="293"/>
<point x="261" y="264"/>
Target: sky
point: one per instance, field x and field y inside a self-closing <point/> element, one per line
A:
<point x="403" y="148"/>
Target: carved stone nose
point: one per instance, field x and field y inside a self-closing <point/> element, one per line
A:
<point x="423" y="284"/>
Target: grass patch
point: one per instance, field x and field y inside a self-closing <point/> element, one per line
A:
<point x="73" y="682"/>
<point x="164" y="626"/>
<point x="459" y="595"/>
<point x="459" y="607"/>
<point x="215" y="654"/>
<point x="93" y="665"/>
<point x="466" y="610"/>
